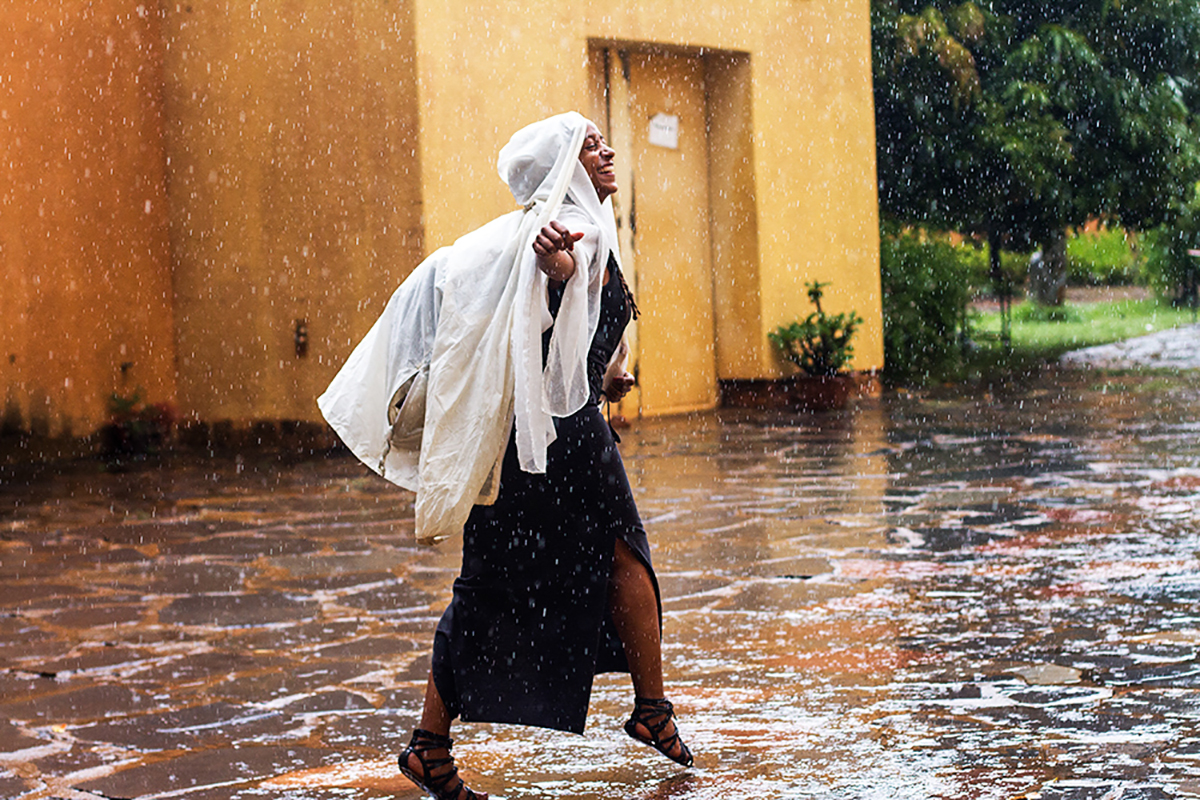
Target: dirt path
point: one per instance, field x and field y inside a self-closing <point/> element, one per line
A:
<point x="1080" y="295"/>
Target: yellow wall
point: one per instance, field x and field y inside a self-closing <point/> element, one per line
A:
<point x="294" y="188"/>
<point x="737" y="293"/>
<point x="84" y="269"/>
<point x="488" y="69"/>
<point x="815" y="141"/>
<point x="182" y="182"/>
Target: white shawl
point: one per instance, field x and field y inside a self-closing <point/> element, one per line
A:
<point x="429" y="396"/>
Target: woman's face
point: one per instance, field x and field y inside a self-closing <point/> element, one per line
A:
<point x="597" y="158"/>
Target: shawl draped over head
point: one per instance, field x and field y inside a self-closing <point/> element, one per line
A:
<point x="429" y="397"/>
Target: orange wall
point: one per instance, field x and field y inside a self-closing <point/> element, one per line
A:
<point x="486" y="68"/>
<point x="84" y="260"/>
<point x="181" y="182"/>
<point x="294" y="192"/>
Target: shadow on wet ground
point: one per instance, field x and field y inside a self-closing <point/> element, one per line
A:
<point x="931" y="595"/>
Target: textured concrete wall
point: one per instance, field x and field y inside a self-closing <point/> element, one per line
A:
<point x="85" y="288"/>
<point x="185" y="182"/>
<point x="294" y="192"/>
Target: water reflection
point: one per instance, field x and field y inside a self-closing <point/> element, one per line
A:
<point x="928" y="596"/>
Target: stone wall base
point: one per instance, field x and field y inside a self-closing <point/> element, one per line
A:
<point x="800" y="393"/>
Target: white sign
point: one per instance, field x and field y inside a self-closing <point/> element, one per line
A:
<point x="664" y="131"/>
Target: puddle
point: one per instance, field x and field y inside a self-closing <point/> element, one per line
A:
<point x="924" y="597"/>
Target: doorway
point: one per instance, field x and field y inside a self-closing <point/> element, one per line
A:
<point x="657" y="104"/>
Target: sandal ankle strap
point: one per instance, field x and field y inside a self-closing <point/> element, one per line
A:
<point x="654" y="702"/>
<point x="426" y="740"/>
<point x="655" y="715"/>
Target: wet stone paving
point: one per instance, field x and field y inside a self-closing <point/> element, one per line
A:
<point x="946" y="594"/>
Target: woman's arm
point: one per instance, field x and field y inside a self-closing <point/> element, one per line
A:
<point x="553" y="246"/>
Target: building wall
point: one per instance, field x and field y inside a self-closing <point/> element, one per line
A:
<point x="85" y="291"/>
<point x="487" y="69"/>
<point x="737" y="292"/>
<point x="184" y="183"/>
<point x="294" y="192"/>
<point x="816" y="180"/>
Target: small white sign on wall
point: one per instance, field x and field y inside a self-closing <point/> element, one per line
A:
<point x="664" y="131"/>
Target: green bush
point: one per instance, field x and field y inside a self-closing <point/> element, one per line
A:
<point x="1171" y="270"/>
<point x="819" y="344"/>
<point x="976" y="264"/>
<point x="1107" y="257"/>
<point x="973" y="261"/>
<point x="1036" y="312"/>
<point x="927" y="285"/>
<point x="1169" y="267"/>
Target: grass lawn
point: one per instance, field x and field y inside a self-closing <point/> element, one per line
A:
<point x="1042" y="335"/>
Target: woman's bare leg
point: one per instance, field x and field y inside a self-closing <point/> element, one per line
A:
<point x="634" y="607"/>
<point x="435" y="718"/>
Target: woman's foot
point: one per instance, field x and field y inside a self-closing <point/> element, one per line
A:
<point x="653" y="723"/>
<point x="427" y="763"/>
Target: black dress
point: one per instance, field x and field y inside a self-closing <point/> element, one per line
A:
<point x="528" y="627"/>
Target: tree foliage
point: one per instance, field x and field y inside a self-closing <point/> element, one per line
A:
<point x="1020" y="118"/>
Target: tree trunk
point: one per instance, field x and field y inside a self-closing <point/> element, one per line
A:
<point x="1000" y="284"/>
<point x="1048" y="273"/>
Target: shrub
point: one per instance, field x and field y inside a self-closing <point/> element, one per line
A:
<point x="1170" y="268"/>
<point x="976" y="266"/>
<point x="1036" y="312"/>
<point x="1105" y="257"/>
<point x="927" y="285"/>
<point x="818" y="345"/>
<point x="135" y="428"/>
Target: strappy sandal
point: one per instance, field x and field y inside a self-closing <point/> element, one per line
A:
<point x="644" y="711"/>
<point x="440" y="785"/>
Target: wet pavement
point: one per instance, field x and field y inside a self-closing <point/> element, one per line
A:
<point x="1174" y="348"/>
<point x="940" y="595"/>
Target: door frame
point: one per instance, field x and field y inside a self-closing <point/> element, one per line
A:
<point x="740" y="345"/>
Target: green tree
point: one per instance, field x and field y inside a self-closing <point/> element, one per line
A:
<point x="1018" y="119"/>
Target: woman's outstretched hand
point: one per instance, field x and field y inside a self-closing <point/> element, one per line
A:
<point x="553" y="246"/>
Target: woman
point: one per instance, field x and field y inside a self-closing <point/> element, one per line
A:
<point x="556" y="583"/>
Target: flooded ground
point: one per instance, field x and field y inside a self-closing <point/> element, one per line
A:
<point x="929" y="596"/>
